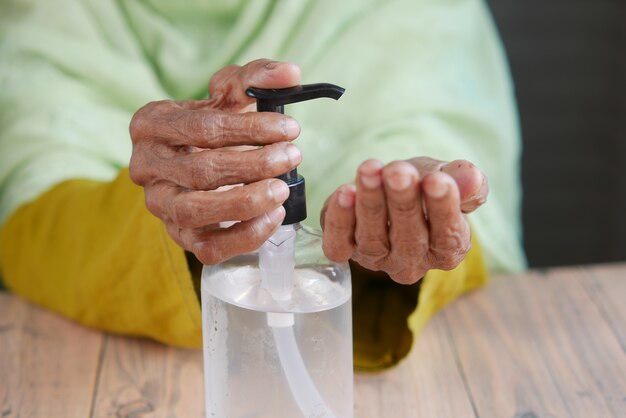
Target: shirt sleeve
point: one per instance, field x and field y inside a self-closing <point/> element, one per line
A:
<point x="91" y="251"/>
<point x="71" y="77"/>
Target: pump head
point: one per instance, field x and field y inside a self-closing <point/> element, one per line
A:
<point x="274" y="100"/>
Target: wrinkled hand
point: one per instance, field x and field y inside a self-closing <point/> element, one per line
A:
<point x="184" y="151"/>
<point x="404" y="218"/>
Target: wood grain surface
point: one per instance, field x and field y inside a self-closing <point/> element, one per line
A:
<point x="48" y="365"/>
<point x="538" y="346"/>
<point x="412" y="388"/>
<point x="544" y="344"/>
<point x="141" y="378"/>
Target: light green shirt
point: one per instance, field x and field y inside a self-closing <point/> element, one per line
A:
<point x="422" y="77"/>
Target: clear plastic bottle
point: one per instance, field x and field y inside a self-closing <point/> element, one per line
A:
<point x="277" y="329"/>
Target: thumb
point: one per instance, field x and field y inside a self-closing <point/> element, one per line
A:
<point x="227" y="87"/>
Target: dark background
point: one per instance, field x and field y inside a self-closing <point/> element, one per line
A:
<point x="568" y="59"/>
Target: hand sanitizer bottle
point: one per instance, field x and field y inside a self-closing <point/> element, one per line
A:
<point x="277" y="322"/>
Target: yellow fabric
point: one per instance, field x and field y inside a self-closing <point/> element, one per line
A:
<point x="91" y="251"/>
<point x="386" y="320"/>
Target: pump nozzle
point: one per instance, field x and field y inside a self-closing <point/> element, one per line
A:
<point x="274" y="100"/>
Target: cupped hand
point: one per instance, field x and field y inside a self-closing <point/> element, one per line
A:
<point x="185" y="152"/>
<point x="404" y="218"/>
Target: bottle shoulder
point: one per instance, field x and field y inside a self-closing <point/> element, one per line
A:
<point x="287" y="274"/>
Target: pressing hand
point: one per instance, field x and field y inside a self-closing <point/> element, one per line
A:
<point x="184" y="151"/>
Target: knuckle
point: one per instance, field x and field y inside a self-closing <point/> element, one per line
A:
<point x="256" y="233"/>
<point x="367" y="262"/>
<point x="404" y="208"/>
<point x="182" y="212"/>
<point x="153" y="204"/>
<point x="271" y="161"/>
<point x="213" y="127"/>
<point x="458" y="235"/>
<point x="161" y="106"/>
<point x="141" y="172"/>
<point x="142" y="122"/>
<point x="330" y="249"/>
<point x="252" y="200"/>
<point x="212" y="249"/>
<point x="337" y="250"/>
<point x="408" y="276"/>
<point x="221" y="76"/>
<point x="266" y="160"/>
<point x="451" y="247"/>
<point x="336" y="227"/>
<point x="249" y="203"/>
<point x="138" y="123"/>
<point x="209" y="255"/>
<point x="175" y="234"/>
<point x="259" y="231"/>
<point x="373" y="249"/>
<point x="201" y="171"/>
<point x="373" y="207"/>
<point x="448" y="259"/>
<point x="137" y="127"/>
<point x="406" y="249"/>
<point x="255" y="125"/>
<point x="135" y="169"/>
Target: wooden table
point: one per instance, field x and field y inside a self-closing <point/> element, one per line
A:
<point x="543" y="344"/>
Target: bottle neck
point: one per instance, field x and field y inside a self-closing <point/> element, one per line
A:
<point x="295" y="205"/>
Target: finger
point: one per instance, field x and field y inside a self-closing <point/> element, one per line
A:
<point x="195" y="209"/>
<point x="408" y="231"/>
<point x="339" y="221"/>
<point x="211" y="128"/>
<point x="210" y="169"/>
<point x="268" y="74"/>
<point x="214" y="129"/>
<point x="472" y="183"/>
<point x="215" y="246"/>
<point x="227" y="87"/>
<point x="449" y="231"/>
<point x="371" y="215"/>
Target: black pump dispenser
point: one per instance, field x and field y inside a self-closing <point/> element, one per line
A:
<point x="274" y="100"/>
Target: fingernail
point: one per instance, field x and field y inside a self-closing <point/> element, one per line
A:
<point x="292" y="128"/>
<point x="436" y="187"/>
<point x="369" y="173"/>
<point x="371" y="182"/>
<point x="271" y="65"/>
<point x="399" y="181"/>
<point x="280" y="191"/>
<point x="345" y="200"/>
<point x="295" y="157"/>
<point x="276" y="215"/>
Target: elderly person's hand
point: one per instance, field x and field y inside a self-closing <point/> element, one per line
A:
<point x="404" y="218"/>
<point x="184" y="151"/>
